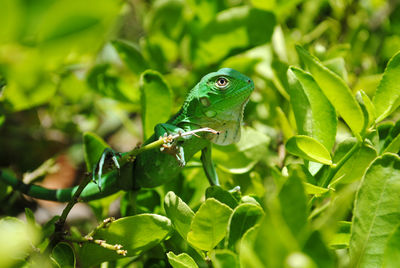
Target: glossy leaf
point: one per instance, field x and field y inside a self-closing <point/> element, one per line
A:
<point x="315" y="116"/>
<point x="287" y="130"/>
<point x="93" y="148"/>
<point x="179" y="213"/>
<point x="209" y="224"/>
<point x="367" y="107"/>
<point x="336" y="90"/>
<point x="135" y="233"/>
<point x="182" y="260"/>
<point x="154" y="88"/>
<point x="376" y="212"/>
<point x="308" y="149"/>
<point x="387" y="96"/>
<point x="242" y="219"/>
<point x="313" y="189"/>
<point x="63" y="255"/>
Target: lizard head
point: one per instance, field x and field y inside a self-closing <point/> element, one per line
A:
<point x="221" y="98"/>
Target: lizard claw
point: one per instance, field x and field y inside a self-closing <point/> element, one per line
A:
<point x="100" y="165"/>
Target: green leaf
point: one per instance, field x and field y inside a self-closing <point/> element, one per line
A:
<point x="222" y="195"/>
<point x="354" y="168"/>
<point x="239" y="158"/>
<point x="317" y="249"/>
<point x="308" y="149"/>
<point x="30" y="217"/>
<point x="63" y="255"/>
<point x="21" y="96"/>
<point x="336" y="90"/>
<point x="315" y="116"/>
<point x="209" y="224"/>
<point x="387" y="96"/>
<point x="341" y="239"/>
<point x="135" y="233"/>
<point x="105" y="80"/>
<point x="222" y="258"/>
<point x="293" y="203"/>
<point x="237" y="28"/>
<point x="156" y="99"/>
<point x="338" y="66"/>
<point x="392" y="141"/>
<point x="182" y="260"/>
<point x="287" y="130"/>
<point x="313" y="189"/>
<point x="392" y="250"/>
<point x="94" y="147"/>
<point x="242" y="219"/>
<point x="179" y="212"/>
<point x="131" y="55"/>
<point x="367" y="107"/>
<point x="376" y="212"/>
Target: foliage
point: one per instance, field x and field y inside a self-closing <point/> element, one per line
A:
<point x="317" y="164"/>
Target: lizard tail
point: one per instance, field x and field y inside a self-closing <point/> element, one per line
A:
<point x="91" y="191"/>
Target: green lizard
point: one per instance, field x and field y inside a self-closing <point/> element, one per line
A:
<point x="216" y="102"/>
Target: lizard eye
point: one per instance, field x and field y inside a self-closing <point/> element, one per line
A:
<point x="221" y="82"/>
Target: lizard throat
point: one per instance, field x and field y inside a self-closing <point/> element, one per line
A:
<point x="229" y="125"/>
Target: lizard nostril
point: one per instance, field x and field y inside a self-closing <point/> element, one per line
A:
<point x="249" y="81"/>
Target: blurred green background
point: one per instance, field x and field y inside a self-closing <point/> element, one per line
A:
<point x="73" y="66"/>
<point x="70" y="66"/>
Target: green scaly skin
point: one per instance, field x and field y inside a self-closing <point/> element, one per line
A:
<point x="216" y="102"/>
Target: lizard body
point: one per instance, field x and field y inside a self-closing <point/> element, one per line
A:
<point x="216" y="102"/>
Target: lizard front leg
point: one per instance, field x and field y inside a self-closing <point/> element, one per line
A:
<point x="174" y="148"/>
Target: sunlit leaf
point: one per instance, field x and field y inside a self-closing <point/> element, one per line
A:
<point x="336" y="90"/>
<point x="179" y="213"/>
<point x="308" y="149"/>
<point x="182" y="260"/>
<point x="376" y="212"/>
<point x="135" y="233"/>
<point x="209" y="224"/>
<point x="387" y="96"/>
<point x="156" y="98"/>
<point x="315" y="116"/>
